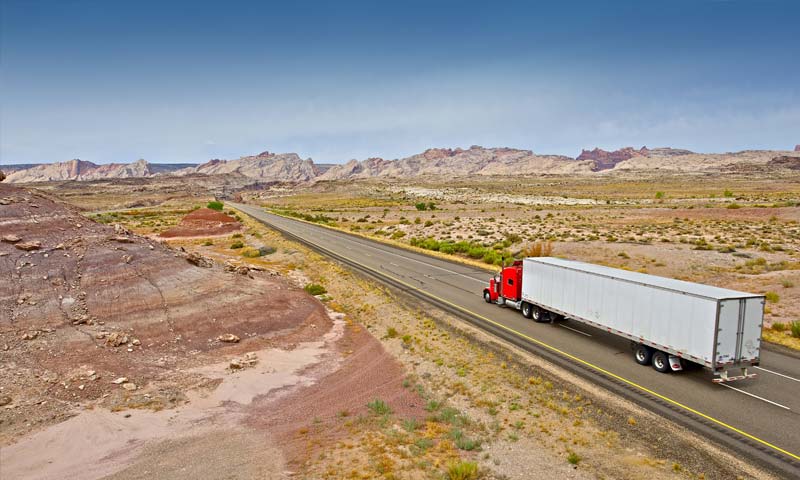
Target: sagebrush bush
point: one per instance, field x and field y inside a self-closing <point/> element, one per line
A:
<point x="215" y="205"/>
<point x="236" y="245"/>
<point x="315" y="289"/>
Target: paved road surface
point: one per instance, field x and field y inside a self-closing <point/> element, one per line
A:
<point x="759" y="417"/>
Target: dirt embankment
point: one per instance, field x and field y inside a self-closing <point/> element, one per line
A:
<point x="204" y="222"/>
<point x="103" y="332"/>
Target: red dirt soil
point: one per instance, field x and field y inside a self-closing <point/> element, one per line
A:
<point x="203" y="222"/>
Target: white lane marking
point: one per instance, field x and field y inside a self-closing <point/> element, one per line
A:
<point x="323" y="232"/>
<point x="575" y="330"/>
<point x="779" y="374"/>
<point x="755" y="396"/>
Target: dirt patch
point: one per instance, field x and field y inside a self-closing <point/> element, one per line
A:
<point x="204" y="222"/>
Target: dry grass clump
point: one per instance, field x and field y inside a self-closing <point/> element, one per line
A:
<point x="538" y="249"/>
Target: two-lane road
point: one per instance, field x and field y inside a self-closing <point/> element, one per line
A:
<point x="759" y="417"/>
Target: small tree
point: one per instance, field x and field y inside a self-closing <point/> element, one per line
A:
<point x="215" y="205"/>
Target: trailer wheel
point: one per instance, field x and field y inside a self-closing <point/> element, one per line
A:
<point x="661" y="362"/>
<point x="487" y="296"/>
<point x="538" y="315"/>
<point x="527" y="310"/>
<point x="643" y="354"/>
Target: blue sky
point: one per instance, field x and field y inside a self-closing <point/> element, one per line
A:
<point x="188" y="81"/>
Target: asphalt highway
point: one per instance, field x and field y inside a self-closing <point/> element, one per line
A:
<point x="758" y="417"/>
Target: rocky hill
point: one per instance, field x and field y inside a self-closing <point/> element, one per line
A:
<point x="82" y="304"/>
<point x="446" y="162"/>
<point x="270" y="167"/>
<point x="82" y="170"/>
<point x="265" y="167"/>
<point x="797" y="148"/>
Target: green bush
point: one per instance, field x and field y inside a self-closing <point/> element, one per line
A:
<point x="391" y="332"/>
<point x="462" y="471"/>
<point x="215" y="205"/>
<point x="379" y="407"/>
<point x="573" y="458"/>
<point x="236" y="245"/>
<point x="795" y="326"/>
<point x="772" y="297"/>
<point x="421" y="206"/>
<point x="315" y="289"/>
<point x="780" y="327"/>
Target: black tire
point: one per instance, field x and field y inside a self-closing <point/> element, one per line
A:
<point x="487" y="296"/>
<point x="527" y="310"/>
<point x="539" y="315"/>
<point x="661" y="362"/>
<point x="643" y="354"/>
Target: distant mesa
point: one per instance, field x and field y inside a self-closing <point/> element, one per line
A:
<point x="797" y="148"/>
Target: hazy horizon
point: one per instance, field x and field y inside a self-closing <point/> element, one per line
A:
<point x="189" y="81"/>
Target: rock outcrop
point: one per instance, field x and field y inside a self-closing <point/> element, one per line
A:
<point x="785" y="161"/>
<point x="797" y="148"/>
<point x="2" y="176"/>
<point x="605" y="160"/>
<point x="265" y="167"/>
<point x="446" y="162"/>
<point x="80" y="170"/>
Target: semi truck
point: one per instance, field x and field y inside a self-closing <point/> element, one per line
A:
<point x="669" y="322"/>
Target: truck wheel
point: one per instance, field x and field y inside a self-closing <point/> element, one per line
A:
<point x="487" y="296"/>
<point x="661" y="362"/>
<point x="527" y="310"/>
<point x="643" y="354"/>
<point x="538" y="315"/>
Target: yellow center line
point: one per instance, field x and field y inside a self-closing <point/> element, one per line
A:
<point x="574" y="358"/>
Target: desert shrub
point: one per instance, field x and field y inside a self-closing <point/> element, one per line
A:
<point x="208" y="243"/>
<point x="236" y="245"/>
<point x="573" y="458"/>
<point x="659" y="195"/>
<point x="795" y="327"/>
<point x="787" y="283"/>
<point x="772" y="297"/>
<point x="379" y="407"/>
<point x="733" y="206"/>
<point x="236" y="235"/>
<point x="727" y="193"/>
<point x="251" y="252"/>
<point x="391" y="332"/>
<point x="215" y="205"/>
<point x="421" y="206"/>
<point x="462" y="471"/>
<point x="315" y="289"/>
<point x="780" y="327"/>
<point x="398" y="234"/>
<point x="462" y="441"/>
<point x="266" y="250"/>
<point x="538" y="249"/>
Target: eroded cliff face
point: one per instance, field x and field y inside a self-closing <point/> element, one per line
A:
<point x="266" y="166"/>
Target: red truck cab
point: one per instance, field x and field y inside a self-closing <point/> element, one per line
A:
<point x="507" y="285"/>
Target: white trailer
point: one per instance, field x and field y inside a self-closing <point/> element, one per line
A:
<point x="668" y="320"/>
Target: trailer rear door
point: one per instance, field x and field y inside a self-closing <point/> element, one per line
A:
<point x="739" y="330"/>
